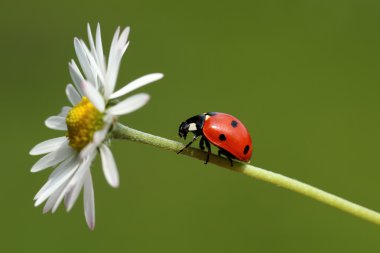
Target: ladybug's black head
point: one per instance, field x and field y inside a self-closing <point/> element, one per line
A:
<point x="183" y="130"/>
<point x="193" y="124"/>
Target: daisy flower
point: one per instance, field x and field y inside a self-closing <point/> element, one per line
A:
<point x="86" y="124"/>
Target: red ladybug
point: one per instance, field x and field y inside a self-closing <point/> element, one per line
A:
<point x="221" y="129"/>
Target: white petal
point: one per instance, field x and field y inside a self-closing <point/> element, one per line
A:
<point x="64" y="111"/>
<point x="113" y="69"/>
<point x="47" y="146"/>
<point x="67" y="170"/>
<point x="139" y="82"/>
<point x="91" y="41"/>
<point x="89" y="201"/>
<point x="93" y="95"/>
<point x="129" y="104"/>
<point x="53" y="199"/>
<point x="99" y="49"/>
<point x="42" y="190"/>
<point x="56" y="123"/>
<point x="109" y="166"/>
<point x="95" y="70"/>
<point x="61" y="168"/>
<point x="75" y="185"/>
<point x="80" y="50"/>
<point x="124" y="36"/>
<point x="113" y="45"/>
<point x="53" y="158"/>
<point x="76" y="75"/>
<point x="87" y="150"/>
<point x="72" y="94"/>
<point x="118" y="47"/>
<point x="76" y="180"/>
<point x="99" y="136"/>
<point x="59" y="199"/>
<point x="71" y="161"/>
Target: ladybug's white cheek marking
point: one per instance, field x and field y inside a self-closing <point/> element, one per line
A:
<point x="192" y="127"/>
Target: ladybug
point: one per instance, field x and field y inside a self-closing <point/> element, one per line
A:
<point x="221" y="129"/>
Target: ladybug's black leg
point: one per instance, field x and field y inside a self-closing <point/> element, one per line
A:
<point x="230" y="159"/>
<point x="208" y="149"/>
<point x="227" y="154"/>
<point x="188" y="145"/>
<point x="202" y="143"/>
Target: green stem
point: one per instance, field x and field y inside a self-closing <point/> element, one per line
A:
<point x="123" y="132"/>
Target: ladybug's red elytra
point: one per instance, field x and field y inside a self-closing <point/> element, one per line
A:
<point x="221" y="129"/>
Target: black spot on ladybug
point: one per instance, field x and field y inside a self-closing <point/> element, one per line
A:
<point x="222" y="137"/>
<point x="246" y="149"/>
<point x="234" y="124"/>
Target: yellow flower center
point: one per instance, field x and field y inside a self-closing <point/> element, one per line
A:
<point x="83" y="120"/>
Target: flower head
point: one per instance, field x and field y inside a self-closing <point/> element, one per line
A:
<point x="87" y="124"/>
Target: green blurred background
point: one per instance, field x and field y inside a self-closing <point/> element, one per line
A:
<point x="302" y="75"/>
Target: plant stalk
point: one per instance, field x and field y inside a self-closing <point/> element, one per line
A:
<point x="123" y="132"/>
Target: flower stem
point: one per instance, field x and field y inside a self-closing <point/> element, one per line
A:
<point x="124" y="132"/>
